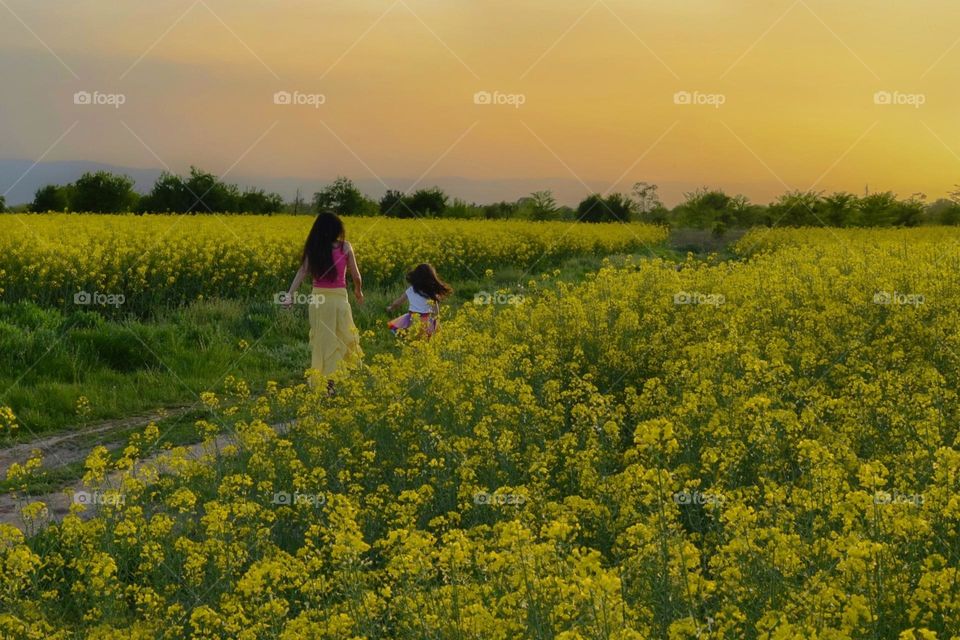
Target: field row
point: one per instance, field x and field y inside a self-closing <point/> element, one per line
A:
<point x="138" y="264"/>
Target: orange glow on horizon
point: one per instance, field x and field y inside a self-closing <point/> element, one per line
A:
<point x="802" y="87"/>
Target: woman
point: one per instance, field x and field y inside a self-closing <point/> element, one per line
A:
<point x="326" y="258"/>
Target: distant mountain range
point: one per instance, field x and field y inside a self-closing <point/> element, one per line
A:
<point x="19" y="182"/>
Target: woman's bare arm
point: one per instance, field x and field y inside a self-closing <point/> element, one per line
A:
<point x="354" y="273"/>
<point x="297" y="281"/>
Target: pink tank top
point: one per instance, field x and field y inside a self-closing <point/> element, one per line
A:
<point x="339" y="278"/>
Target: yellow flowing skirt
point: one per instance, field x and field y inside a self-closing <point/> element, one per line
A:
<point x="333" y="336"/>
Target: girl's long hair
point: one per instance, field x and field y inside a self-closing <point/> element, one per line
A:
<point x="318" y="250"/>
<point x="426" y="282"/>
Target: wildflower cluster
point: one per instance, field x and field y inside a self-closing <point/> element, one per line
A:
<point x="598" y="462"/>
<point x="8" y="421"/>
<point x="94" y="259"/>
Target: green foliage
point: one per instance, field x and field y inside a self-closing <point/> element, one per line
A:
<point x="842" y="209"/>
<point x="260" y="202"/>
<point x="114" y="346"/>
<point x="393" y="204"/>
<point x="210" y="194"/>
<point x="797" y="209"/>
<point x="169" y="195"/>
<point x="201" y="192"/>
<point x="704" y="208"/>
<point x="943" y="211"/>
<point x="543" y="206"/>
<point x="714" y="209"/>
<point x="877" y="210"/>
<point x="591" y="208"/>
<point x="500" y="210"/>
<point x="839" y="209"/>
<point x="428" y="202"/>
<point x="950" y="215"/>
<point x="343" y="198"/>
<point x="103" y="192"/>
<point x="463" y="210"/>
<point x="126" y="366"/>
<point x="50" y="198"/>
<point x="204" y="192"/>
<point x="425" y="203"/>
<point x="613" y="208"/>
<point x="649" y="206"/>
<point x="910" y="212"/>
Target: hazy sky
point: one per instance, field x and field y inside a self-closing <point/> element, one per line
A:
<point x="783" y="92"/>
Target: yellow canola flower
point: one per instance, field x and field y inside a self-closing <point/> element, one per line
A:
<point x="118" y="255"/>
<point x="764" y="448"/>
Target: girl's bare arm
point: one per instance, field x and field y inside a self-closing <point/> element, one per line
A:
<point x="396" y="303"/>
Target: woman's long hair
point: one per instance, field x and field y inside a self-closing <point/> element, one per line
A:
<point x="426" y="282"/>
<point x="318" y="250"/>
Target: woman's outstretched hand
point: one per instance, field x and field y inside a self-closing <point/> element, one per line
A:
<point x="359" y="294"/>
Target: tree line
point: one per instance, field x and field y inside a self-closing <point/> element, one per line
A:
<point x="202" y="192"/>
<point x="198" y="192"/>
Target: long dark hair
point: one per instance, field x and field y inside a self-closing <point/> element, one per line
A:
<point x="318" y="250"/>
<point x="426" y="282"/>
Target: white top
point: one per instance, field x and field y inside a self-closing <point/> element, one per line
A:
<point x="418" y="303"/>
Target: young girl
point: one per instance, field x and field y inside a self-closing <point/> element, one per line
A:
<point x="326" y="258"/>
<point x="423" y="299"/>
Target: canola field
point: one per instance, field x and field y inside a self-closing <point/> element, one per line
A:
<point x="764" y="447"/>
<point x="139" y="263"/>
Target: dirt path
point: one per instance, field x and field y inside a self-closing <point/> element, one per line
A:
<point x="66" y="447"/>
<point x="59" y="502"/>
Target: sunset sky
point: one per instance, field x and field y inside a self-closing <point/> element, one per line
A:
<point x="797" y="80"/>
